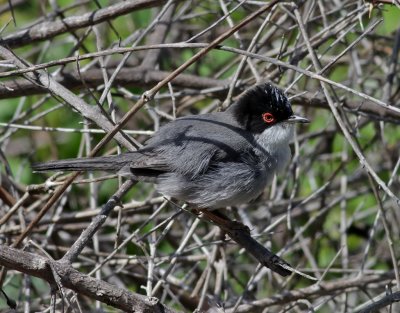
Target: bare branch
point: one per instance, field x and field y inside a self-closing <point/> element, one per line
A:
<point x="46" y="30"/>
<point x="38" y="266"/>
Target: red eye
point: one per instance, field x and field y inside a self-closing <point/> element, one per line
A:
<point x="268" y="118"/>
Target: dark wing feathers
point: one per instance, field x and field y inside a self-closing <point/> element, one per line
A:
<point x="107" y="163"/>
<point x="188" y="146"/>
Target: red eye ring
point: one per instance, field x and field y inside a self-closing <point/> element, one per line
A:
<point x="268" y="118"/>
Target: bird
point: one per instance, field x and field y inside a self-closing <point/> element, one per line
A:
<point x="213" y="160"/>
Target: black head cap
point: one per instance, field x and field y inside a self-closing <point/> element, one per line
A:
<point x="261" y="107"/>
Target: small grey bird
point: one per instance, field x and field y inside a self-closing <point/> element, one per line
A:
<point x="210" y="160"/>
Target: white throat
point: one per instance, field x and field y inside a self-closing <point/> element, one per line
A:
<point x="277" y="135"/>
<point x="275" y="143"/>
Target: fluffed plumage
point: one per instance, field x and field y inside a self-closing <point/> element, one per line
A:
<point x="210" y="160"/>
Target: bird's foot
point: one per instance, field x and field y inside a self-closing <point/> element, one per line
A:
<point x="196" y="212"/>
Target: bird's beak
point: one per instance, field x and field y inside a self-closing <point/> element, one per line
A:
<point x="297" y="119"/>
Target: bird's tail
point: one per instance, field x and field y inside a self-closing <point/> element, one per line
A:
<point x="112" y="163"/>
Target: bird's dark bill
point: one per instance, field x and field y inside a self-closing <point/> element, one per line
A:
<point x="297" y="119"/>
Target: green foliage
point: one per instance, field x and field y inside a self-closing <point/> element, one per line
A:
<point x="339" y="74"/>
<point x="8" y="108"/>
<point x="391" y="20"/>
<point x="326" y="253"/>
<point x="21" y="169"/>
